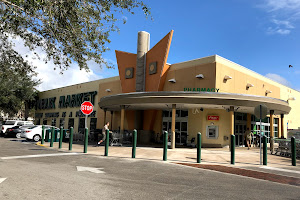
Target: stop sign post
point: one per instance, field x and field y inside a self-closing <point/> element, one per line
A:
<point x="260" y="112"/>
<point x="86" y="108"/>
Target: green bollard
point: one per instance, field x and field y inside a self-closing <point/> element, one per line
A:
<point x="165" y="143"/>
<point x="232" y="148"/>
<point x="71" y="139"/>
<point x="52" y="137"/>
<point x="61" y="133"/>
<point x="293" y="145"/>
<point x="86" y="139"/>
<point x="43" y="134"/>
<point x="199" y="147"/>
<point x="265" y="150"/>
<point x="106" y="143"/>
<point x="134" y="138"/>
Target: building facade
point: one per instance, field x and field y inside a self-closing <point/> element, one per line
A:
<point x="211" y="95"/>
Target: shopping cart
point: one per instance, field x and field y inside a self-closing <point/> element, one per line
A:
<point x="115" y="139"/>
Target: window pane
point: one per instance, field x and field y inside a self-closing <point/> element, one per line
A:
<point x="184" y="113"/>
<point x="183" y="126"/>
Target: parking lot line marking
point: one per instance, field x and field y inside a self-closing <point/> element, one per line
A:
<point x="40" y="155"/>
<point x="2" y="179"/>
<point x="279" y="169"/>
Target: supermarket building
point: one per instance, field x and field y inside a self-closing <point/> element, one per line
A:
<point x="211" y="95"/>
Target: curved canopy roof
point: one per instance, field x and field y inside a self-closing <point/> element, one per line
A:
<point x="188" y="100"/>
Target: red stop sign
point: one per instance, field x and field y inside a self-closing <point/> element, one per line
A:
<point x="87" y="107"/>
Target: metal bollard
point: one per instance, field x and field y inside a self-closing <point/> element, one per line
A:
<point x="293" y="145"/>
<point x="71" y="139"/>
<point x="86" y="139"/>
<point x="165" y="143"/>
<point x="43" y="135"/>
<point x="199" y="147"/>
<point x="106" y="143"/>
<point x="265" y="160"/>
<point x="134" y="138"/>
<point x="60" y="137"/>
<point x="52" y="137"/>
<point x="232" y="148"/>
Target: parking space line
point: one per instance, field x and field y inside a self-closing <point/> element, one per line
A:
<point x="40" y="155"/>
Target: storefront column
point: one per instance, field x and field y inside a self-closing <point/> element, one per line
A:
<point x="122" y="120"/>
<point x="173" y="126"/>
<point x="271" y="130"/>
<point x="282" y="127"/>
<point x="104" y="118"/>
<point x="111" y="119"/>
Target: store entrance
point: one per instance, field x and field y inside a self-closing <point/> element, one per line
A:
<point x="240" y="126"/>
<point x="181" y="125"/>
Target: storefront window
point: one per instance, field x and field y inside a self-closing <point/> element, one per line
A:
<point x="93" y="124"/>
<point x="71" y="123"/>
<point x="53" y="122"/>
<point x="38" y="122"/>
<point x="44" y="121"/>
<point x="62" y="122"/>
<point x="81" y="125"/>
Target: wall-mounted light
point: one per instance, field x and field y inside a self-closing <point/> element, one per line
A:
<point x="108" y="90"/>
<point x="268" y="92"/>
<point x="249" y="85"/>
<point x="200" y="76"/>
<point x="226" y="77"/>
<point x="172" y="80"/>
<point x="291" y="98"/>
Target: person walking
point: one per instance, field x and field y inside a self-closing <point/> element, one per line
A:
<point x="104" y="133"/>
<point x="248" y="137"/>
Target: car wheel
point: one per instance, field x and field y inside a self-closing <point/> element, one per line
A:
<point x="36" y="138"/>
<point x="18" y="135"/>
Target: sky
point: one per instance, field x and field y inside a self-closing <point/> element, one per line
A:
<point x="261" y="35"/>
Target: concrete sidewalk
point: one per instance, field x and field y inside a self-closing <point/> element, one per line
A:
<point x="244" y="158"/>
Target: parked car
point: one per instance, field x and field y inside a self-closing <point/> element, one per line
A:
<point x="12" y="123"/>
<point x="16" y="131"/>
<point x="35" y="133"/>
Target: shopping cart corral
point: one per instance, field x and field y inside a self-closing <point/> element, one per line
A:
<point x="284" y="147"/>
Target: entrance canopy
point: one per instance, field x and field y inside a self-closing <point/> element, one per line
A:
<point x="189" y="100"/>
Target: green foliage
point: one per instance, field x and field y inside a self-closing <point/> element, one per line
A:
<point x="67" y="30"/>
<point x="16" y="83"/>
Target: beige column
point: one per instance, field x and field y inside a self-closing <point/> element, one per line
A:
<point x="104" y="118"/>
<point x="122" y="119"/>
<point x="173" y="126"/>
<point x="271" y="130"/>
<point x="111" y="119"/>
<point x="282" y="126"/>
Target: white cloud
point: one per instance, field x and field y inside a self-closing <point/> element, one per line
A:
<point x="53" y="78"/>
<point x="282" y="14"/>
<point x="279" y="79"/>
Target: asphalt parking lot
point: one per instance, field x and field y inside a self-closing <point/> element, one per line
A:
<point x="29" y="171"/>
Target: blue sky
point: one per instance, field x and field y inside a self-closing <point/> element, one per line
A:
<point x="262" y="35"/>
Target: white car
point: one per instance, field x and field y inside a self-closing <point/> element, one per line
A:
<point x="35" y="133"/>
<point x="12" y="123"/>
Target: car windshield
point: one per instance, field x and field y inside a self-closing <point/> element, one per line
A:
<point x="33" y="127"/>
<point x="9" y="122"/>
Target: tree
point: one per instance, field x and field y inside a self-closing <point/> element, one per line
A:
<point x="16" y="82"/>
<point x="67" y="30"/>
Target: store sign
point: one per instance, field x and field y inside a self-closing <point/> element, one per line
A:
<point x="202" y="89"/>
<point x="75" y="100"/>
<point x="48" y="103"/>
<point x="213" y="117"/>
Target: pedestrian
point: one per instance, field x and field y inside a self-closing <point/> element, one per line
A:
<point x="248" y="137"/>
<point x="104" y="133"/>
